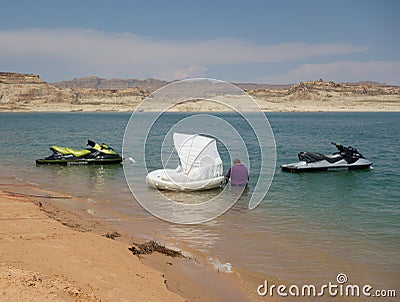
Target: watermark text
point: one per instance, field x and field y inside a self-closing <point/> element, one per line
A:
<point x="340" y="288"/>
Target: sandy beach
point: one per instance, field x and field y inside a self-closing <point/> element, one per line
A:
<point x="50" y="253"/>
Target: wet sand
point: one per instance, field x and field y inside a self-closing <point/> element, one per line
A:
<point x="50" y="252"/>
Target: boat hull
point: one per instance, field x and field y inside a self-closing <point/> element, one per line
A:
<point x="159" y="179"/>
<point x="70" y="162"/>
<point x="324" y="165"/>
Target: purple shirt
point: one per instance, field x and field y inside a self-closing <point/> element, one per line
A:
<point x="238" y="174"/>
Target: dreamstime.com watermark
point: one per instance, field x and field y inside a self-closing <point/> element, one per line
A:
<point x="340" y="288"/>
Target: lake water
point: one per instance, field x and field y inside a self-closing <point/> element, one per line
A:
<point x="309" y="228"/>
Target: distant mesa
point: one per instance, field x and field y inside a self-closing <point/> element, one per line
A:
<point x="149" y="84"/>
<point x="100" y="83"/>
<point x="19" y="78"/>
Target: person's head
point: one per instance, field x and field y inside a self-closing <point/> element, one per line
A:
<point x="236" y="161"/>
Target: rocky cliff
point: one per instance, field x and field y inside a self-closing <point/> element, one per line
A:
<point x="27" y="92"/>
<point x="330" y="96"/>
<point x="18" y="78"/>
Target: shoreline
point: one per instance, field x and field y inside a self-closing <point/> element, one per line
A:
<point x="333" y="110"/>
<point x="38" y="225"/>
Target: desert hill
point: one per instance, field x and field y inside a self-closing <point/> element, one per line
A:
<point x="149" y="84"/>
<point x="27" y="92"/>
<point x="100" y="83"/>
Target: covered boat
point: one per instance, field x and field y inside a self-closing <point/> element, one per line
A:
<point x="200" y="166"/>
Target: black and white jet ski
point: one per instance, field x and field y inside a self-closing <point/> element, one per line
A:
<point x="94" y="154"/>
<point x="347" y="158"/>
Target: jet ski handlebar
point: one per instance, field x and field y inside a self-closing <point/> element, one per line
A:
<point x="91" y="143"/>
<point x="339" y="146"/>
<point x="348" y="149"/>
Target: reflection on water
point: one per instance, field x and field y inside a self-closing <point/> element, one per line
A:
<point x="194" y="197"/>
<point x="85" y="179"/>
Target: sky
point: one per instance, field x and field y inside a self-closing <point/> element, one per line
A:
<point x="276" y="42"/>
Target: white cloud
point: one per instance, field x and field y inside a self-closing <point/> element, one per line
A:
<point x="193" y="71"/>
<point x="341" y="71"/>
<point x="63" y="53"/>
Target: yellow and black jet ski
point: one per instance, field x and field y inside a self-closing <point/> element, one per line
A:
<point x="94" y="154"/>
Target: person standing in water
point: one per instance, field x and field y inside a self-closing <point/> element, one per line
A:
<point x="238" y="174"/>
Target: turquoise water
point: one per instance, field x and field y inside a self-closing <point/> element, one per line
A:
<point x="310" y="227"/>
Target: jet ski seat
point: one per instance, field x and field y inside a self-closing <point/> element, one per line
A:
<point x="78" y="153"/>
<point x="62" y="150"/>
<point x="66" y="151"/>
<point x="311" y="157"/>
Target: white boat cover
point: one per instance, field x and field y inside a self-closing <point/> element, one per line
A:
<point x="200" y="166"/>
<point x="197" y="152"/>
